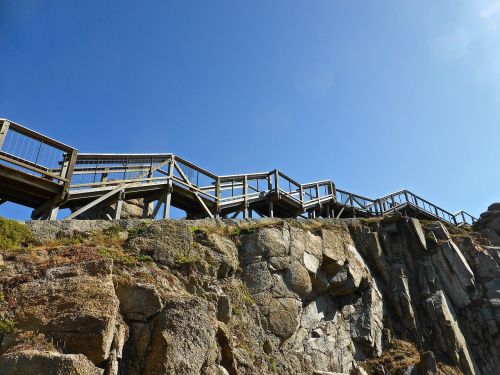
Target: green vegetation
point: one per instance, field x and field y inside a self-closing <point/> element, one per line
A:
<point x="144" y="258"/>
<point x="182" y="259"/>
<point x="246" y="296"/>
<point x="7" y="326"/>
<point x="273" y="364"/>
<point x="138" y="231"/>
<point x="14" y="235"/>
<point x="118" y="256"/>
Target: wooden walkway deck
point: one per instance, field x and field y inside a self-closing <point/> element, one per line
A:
<point x="39" y="172"/>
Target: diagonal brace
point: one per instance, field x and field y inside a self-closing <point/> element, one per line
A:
<point x="97" y="201"/>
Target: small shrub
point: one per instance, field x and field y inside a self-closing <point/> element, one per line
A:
<point x="246" y="295"/>
<point x="117" y="256"/>
<point x="138" y="231"/>
<point x="183" y="259"/>
<point x="144" y="258"/>
<point x="14" y="235"/>
<point x="7" y="326"/>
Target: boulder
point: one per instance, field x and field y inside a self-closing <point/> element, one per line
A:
<point x="31" y="362"/>
<point x="79" y="311"/>
<point x="297" y="279"/>
<point x="163" y="240"/>
<point x="182" y="338"/>
<point x="283" y="316"/>
<point x="138" y="301"/>
<point x="333" y="251"/>
<point x="311" y="263"/>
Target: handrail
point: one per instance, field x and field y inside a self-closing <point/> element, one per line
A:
<point x="35" y="154"/>
<point x="75" y="171"/>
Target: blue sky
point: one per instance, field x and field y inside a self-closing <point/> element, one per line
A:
<point x="377" y="96"/>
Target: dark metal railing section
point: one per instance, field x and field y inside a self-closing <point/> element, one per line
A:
<point x="40" y="156"/>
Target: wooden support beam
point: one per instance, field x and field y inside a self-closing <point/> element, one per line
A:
<point x="96" y="202"/>
<point x="118" y="209"/>
<point x="157" y="207"/>
<point x="4" y="128"/>
<point x="271" y="209"/>
<point x="166" y="207"/>
<point x="341" y="212"/>
<point x="52" y="213"/>
<point x="168" y="196"/>
<point x="147" y="209"/>
<point x="204" y="205"/>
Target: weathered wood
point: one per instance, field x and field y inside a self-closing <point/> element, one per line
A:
<point x="4" y="128"/>
<point x="215" y="195"/>
<point x="95" y="202"/>
<point x="118" y="209"/>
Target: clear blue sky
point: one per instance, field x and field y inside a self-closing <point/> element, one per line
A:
<point x="376" y="95"/>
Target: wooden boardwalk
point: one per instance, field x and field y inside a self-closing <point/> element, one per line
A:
<point x="39" y="172"/>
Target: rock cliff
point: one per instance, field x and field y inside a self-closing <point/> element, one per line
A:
<point x="368" y="296"/>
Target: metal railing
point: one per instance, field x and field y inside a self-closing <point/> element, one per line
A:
<point x="33" y="153"/>
<point x="100" y="170"/>
<point x="43" y="157"/>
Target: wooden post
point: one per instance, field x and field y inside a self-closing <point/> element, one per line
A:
<point x="147" y="209"/>
<point x="118" y="208"/>
<point x="168" y="197"/>
<point x="52" y="214"/>
<point x="276" y="183"/>
<point x="271" y="209"/>
<point x="166" y="208"/>
<point x="245" y="197"/>
<point x="217" y="197"/>
<point x="68" y="168"/>
<point x="3" y="132"/>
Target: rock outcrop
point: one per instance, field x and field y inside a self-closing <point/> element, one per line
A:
<point x="391" y="296"/>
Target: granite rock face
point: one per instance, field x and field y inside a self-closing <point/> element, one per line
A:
<point x="245" y="297"/>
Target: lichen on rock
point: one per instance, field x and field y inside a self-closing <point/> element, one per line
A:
<point x="136" y="297"/>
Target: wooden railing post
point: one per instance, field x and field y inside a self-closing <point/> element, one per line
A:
<point x="168" y="197"/>
<point x="217" y="197"/>
<point x="276" y="183"/>
<point x="245" y="197"/>
<point x="3" y="132"/>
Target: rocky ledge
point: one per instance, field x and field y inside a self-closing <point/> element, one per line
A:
<point x="391" y="296"/>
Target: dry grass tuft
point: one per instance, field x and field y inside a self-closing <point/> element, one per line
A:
<point x="399" y="355"/>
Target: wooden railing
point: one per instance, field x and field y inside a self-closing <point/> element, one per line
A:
<point x="43" y="157"/>
<point x="36" y="154"/>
